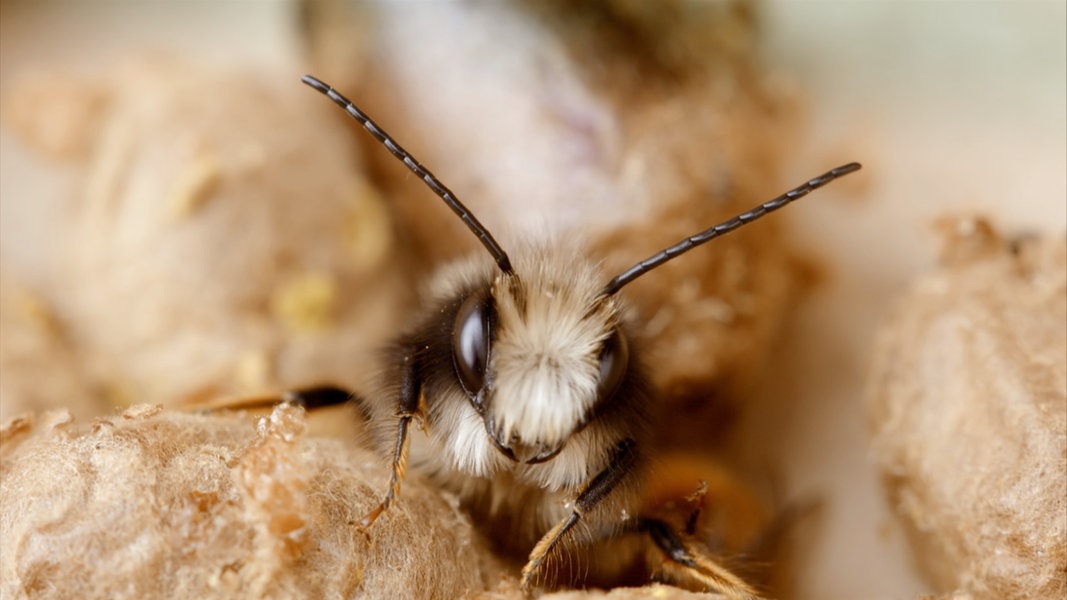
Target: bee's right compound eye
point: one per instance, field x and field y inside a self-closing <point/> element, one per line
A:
<point x="470" y="342"/>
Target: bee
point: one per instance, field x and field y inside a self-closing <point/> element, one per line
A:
<point x="527" y="379"/>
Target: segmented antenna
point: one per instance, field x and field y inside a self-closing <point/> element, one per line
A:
<point x="725" y="227"/>
<point x="427" y="177"/>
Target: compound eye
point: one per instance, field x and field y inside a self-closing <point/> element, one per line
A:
<point x="614" y="359"/>
<point x="470" y="342"/>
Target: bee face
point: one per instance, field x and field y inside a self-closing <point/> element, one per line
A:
<point x="538" y="352"/>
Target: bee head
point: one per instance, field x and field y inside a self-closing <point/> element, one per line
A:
<point x="538" y="352"/>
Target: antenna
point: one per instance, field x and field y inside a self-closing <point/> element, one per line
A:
<point x="725" y="227"/>
<point x="427" y="177"/>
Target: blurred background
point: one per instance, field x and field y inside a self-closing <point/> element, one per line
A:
<point x="954" y="108"/>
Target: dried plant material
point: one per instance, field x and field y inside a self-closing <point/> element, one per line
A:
<point x="652" y="592"/>
<point x="655" y="591"/>
<point x="211" y="228"/>
<point x="168" y="504"/>
<point x="969" y="410"/>
<point x="13" y="429"/>
<point x="968" y="240"/>
<point x="162" y="503"/>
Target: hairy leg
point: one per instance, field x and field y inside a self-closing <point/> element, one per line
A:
<point x="692" y="565"/>
<point x="620" y="465"/>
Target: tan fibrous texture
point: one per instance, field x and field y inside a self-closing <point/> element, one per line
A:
<point x="223" y="239"/>
<point x="969" y="410"/>
<point x="649" y="592"/>
<point x="626" y="127"/>
<point x="155" y="503"/>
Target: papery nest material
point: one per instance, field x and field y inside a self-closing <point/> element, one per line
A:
<point x="969" y="410"/>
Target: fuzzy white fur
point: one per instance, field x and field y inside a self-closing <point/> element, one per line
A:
<point x="544" y="367"/>
<point x="545" y="359"/>
<point x="461" y="443"/>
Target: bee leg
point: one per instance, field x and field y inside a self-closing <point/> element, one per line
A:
<point x="311" y="398"/>
<point x="686" y="563"/>
<point x="620" y="465"/>
<point x="319" y="396"/>
<point x="409" y="407"/>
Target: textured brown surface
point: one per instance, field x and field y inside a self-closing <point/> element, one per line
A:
<point x="164" y="504"/>
<point x="969" y="408"/>
<point x="156" y="503"/>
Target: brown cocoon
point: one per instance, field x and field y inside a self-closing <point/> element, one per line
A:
<point x="969" y="410"/>
<point x="224" y="239"/>
<point x="165" y="504"/>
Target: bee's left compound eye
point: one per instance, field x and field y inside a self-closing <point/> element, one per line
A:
<point x="470" y="342"/>
<point x="614" y="359"/>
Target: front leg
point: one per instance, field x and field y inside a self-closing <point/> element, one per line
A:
<point x="320" y="396"/>
<point x="311" y="398"/>
<point x="621" y="464"/>
<point x="690" y="564"/>
<point x="410" y="406"/>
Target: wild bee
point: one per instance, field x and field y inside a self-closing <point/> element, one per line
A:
<point x="527" y="379"/>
